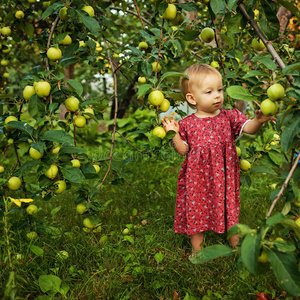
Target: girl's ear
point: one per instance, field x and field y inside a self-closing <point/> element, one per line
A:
<point x="190" y="99"/>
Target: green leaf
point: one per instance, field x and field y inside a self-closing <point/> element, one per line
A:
<point x="218" y="7"/>
<point x="278" y="218"/>
<point x="49" y="284"/>
<point x="128" y="238"/>
<point x="234" y="24"/>
<point x="268" y="62"/>
<point x="36" y="106"/>
<point x="293" y="225"/>
<point x="73" y="174"/>
<point x="76" y="85"/>
<point x="137" y="132"/>
<point x="39" y="146"/>
<point x="268" y="20"/>
<point x="210" y="253"/>
<point x="55" y="211"/>
<point x="250" y="250"/>
<point x="190" y="34"/>
<point x="188" y="6"/>
<point x="50" y="9"/>
<point x="66" y="61"/>
<point x="29" y="29"/>
<point x="143" y="89"/>
<point x="264" y="169"/>
<point x="239" y="92"/>
<point x="155" y="141"/>
<point x="21" y="126"/>
<point x="159" y="257"/>
<point x="276" y="157"/>
<point x="146" y="68"/>
<point x="290" y="68"/>
<point x="285" y="267"/>
<point x="232" y="4"/>
<point x="58" y="136"/>
<point x="171" y="74"/>
<point x="26" y="166"/>
<point x="240" y="229"/>
<point x="288" y="135"/>
<point x="91" y="24"/>
<point x="38" y="251"/>
<point x="255" y="73"/>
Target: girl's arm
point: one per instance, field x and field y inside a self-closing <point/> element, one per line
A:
<point x="252" y="126"/>
<point x="179" y="145"/>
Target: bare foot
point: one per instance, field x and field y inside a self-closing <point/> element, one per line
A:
<point x="234" y="240"/>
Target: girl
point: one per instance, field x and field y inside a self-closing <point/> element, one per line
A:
<point x="209" y="179"/>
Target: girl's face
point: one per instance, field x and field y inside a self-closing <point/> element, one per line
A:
<point x="208" y="95"/>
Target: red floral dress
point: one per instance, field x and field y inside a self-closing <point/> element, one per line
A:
<point x="208" y="187"/>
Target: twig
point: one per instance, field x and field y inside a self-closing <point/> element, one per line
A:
<point x="268" y="45"/>
<point x="49" y="40"/>
<point x="115" y="115"/>
<point x="137" y="9"/>
<point x="74" y="132"/>
<point x="133" y="13"/>
<point x="128" y="141"/>
<point x="283" y="186"/>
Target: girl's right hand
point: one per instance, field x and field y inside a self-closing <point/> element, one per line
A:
<point x="170" y="124"/>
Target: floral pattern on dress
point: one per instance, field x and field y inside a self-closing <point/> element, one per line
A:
<point x="208" y="186"/>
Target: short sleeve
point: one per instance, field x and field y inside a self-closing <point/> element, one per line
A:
<point x="182" y="131"/>
<point x="237" y="121"/>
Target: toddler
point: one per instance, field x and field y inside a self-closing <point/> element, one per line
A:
<point x="208" y="188"/>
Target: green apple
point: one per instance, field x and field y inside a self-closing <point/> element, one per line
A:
<point x="268" y="107"/>
<point x="215" y="64"/>
<point x="89" y="10"/>
<point x="143" y="46"/>
<point x="298" y="222"/>
<point x="42" y="88"/>
<point x="32" y="209"/>
<point x="52" y="172"/>
<point x="207" y="35"/>
<point x="55" y="150"/>
<point x="178" y="19"/>
<point x="275" y="92"/>
<point x="90" y="111"/>
<point x="165" y="105"/>
<point x="296" y="202"/>
<point x="54" y="54"/>
<point x="6" y="31"/>
<point x="66" y="41"/>
<point x="80" y="208"/>
<point x="10" y="141"/>
<point x="28" y="91"/>
<point x="61" y="186"/>
<point x="82" y="44"/>
<point x="34" y="154"/>
<point x="142" y="80"/>
<point x="80" y="122"/>
<point x="170" y="12"/>
<point x="159" y="131"/>
<point x="63" y="13"/>
<point x="156" y="98"/>
<point x="238" y="151"/>
<point x="31" y="1"/>
<point x="32" y="235"/>
<point x="2" y="169"/>
<point x="6" y="75"/>
<point x="97" y="168"/>
<point x="245" y="165"/>
<point x="72" y="104"/>
<point x="258" y="44"/>
<point x="46" y="4"/>
<point x="6" y="50"/>
<point x="14" y="183"/>
<point x="263" y="257"/>
<point x="19" y="14"/>
<point x="87" y="223"/>
<point x="154" y="67"/>
<point x="7" y="120"/>
<point x="126" y="231"/>
<point x="4" y="62"/>
<point x="75" y="163"/>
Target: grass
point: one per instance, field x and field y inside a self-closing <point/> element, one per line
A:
<point x="149" y="263"/>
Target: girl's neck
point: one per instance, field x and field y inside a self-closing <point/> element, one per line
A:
<point x="203" y="114"/>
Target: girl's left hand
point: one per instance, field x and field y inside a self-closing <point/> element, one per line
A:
<point x="260" y="117"/>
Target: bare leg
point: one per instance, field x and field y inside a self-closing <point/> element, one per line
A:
<point x="234" y="240"/>
<point x="196" y="240"/>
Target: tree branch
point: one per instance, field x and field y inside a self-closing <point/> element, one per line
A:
<point x="283" y="186"/>
<point x="268" y="45"/>
<point x="133" y="13"/>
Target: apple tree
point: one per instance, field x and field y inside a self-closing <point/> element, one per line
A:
<point x="52" y="51"/>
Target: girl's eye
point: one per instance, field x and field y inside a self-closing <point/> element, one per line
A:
<point x="208" y="92"/>
<point x="221" y="90"/>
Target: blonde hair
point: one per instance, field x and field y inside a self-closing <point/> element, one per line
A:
<point x="196" y="74"/>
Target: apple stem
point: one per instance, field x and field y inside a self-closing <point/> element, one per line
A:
<point x="283" y="186"/>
